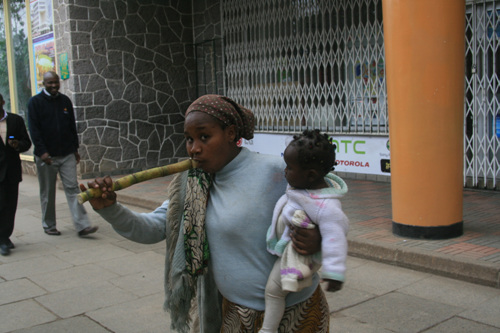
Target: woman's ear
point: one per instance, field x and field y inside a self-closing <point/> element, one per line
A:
<point x="231" y="133"/>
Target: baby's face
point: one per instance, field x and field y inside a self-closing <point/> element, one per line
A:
<point x="295" y="175"/>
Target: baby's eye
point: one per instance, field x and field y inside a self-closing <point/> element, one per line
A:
<point x="189" y="140"/>
<point x="204" y="137"/>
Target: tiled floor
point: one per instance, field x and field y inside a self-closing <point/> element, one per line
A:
<point x="368" y="205"/>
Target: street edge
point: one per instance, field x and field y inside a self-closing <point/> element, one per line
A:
<point x="464" y="269"/>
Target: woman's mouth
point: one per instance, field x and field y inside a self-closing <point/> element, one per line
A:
<point x="195" y="162"/>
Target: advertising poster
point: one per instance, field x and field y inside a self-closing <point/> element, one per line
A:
<point x="64" y="66"/>
<point x="45" y="59"/>
<point x="42" y="34"/>
<point x="356" y="154"/>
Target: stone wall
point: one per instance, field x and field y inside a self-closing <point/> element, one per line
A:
<point x="132" y="76"/>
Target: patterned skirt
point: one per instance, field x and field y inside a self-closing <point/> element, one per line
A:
<point x="310" y="316"/>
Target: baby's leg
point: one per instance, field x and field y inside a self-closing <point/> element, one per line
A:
<point x="275" y="301"/>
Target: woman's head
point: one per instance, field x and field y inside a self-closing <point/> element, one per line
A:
<point x="212" y="127"/>
<point x="309" y="157"/>
<point x="228" y="112"/>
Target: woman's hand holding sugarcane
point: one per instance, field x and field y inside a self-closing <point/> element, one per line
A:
<point x="108" y="196"/>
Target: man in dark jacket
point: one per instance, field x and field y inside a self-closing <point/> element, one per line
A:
<point x="51" y="121"/>
<point x="14" y="139"/>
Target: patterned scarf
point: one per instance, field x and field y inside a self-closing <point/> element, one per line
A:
<point x="195" y="237"/>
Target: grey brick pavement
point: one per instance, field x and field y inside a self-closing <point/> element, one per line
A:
<point x="105" y="283"/>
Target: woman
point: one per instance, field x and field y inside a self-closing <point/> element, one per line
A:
<point x="215" y="222"/>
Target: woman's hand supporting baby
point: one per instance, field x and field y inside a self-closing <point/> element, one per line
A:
<point x="306" y="241"/>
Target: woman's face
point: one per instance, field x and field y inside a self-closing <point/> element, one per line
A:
<point x="211" y="146"/>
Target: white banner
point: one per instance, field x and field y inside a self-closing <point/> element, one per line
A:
<point x="357" y="154"/>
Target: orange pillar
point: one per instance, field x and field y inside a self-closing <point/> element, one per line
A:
<point x="424" y="52"/>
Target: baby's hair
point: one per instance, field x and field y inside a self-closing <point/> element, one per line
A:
<point x="315" y="150"/>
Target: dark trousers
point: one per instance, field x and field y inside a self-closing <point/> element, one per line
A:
<point x="9" y="192"/>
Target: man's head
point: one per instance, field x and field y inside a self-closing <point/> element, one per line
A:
<point x="51" y="82"/>
<point x="2" y="102"/>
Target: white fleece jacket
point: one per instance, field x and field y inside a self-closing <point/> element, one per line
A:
<point x="323" y="208"/>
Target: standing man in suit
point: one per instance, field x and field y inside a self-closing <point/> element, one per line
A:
<point x="51" y="122"/>
<point x="14" y="139"/>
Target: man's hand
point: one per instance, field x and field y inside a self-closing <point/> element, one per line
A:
<point x="306" y="241"/>
<point x="108" y="196"/>
<point x="333" y="285"/>
<point x="46" y="158"/>
<point x="13" y="143"/>
<point x="77" y="156"/>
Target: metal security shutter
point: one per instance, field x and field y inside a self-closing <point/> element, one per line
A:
<point x="307" y="64"/>
<point x="482" y="105"/>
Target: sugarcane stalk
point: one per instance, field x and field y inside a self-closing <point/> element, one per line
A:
<point x="139" y="177"/>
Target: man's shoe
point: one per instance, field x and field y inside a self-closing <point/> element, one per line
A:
<point x="4" y="249"/>
<point x="10" y="244"/>
<point x="87" y="231"/>
<point x="52" y="232"/>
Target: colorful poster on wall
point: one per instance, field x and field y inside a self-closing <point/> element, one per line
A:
<point x="356" y="154"/>
<point x="63" y="66"/>
<point x="42" y="34"/>
<point x="45" y="59"/>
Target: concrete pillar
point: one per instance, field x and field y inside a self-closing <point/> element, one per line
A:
<point x="424" y="52"/>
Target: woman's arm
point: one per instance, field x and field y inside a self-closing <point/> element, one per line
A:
<point x="139" y="227"/>
<point x="146" y="228"/>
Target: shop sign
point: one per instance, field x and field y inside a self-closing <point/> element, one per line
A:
<point x="357" y="154"/>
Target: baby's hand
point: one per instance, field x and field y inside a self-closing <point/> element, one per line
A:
<point x="333" y="285"/>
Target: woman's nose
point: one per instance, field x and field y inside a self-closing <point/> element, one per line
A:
<point x="195" y="148"/>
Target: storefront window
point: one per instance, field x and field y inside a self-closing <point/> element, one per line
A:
<point x="15" y="84"/>
<point x="21" y="66"/>
<point x="4" y="77"/>
<point x="15" y="79"/>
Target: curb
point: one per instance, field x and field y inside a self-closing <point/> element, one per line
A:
<point x="430" y="262"/>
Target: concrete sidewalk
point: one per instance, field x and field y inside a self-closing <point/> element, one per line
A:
<point x="104" y="283"/>
<point x="473" y="257"/>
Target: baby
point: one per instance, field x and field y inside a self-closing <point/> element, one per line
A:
<point x="311" y="199"/>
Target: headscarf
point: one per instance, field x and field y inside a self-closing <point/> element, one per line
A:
<point x="227" y="111"/>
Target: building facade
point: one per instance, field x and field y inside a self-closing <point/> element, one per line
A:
<point x="134" y="66"/>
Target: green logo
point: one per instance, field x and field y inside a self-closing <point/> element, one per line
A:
<point x="349" y="144"/>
